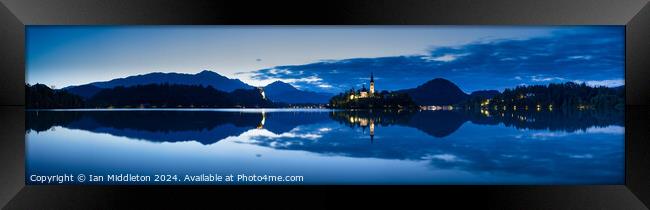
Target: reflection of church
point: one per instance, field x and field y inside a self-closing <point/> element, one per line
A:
<point x="364" y="123"/>
<point x="364" y="93"/>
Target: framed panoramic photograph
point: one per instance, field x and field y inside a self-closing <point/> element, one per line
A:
<point x="296" y="105"/>
<point x="106" y="108"/>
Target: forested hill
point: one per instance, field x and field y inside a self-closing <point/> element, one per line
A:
<point x="555" y="96"/>
<point x="286" y="93"/>
<point x="173" y="96"/>
<point x="438" y="91"/>
<point x="40" y="96"/>
<point x="205" y="78"/>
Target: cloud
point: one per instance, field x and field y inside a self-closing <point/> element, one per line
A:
<point x="443" y="157"/>
<point x="279" y="71"/>
<point x="541" y="78"/>
<point x="585" y="156"/>
<point x="270" y="135"/>
<point x="584" y="57"/>
<point x="325" y="129"/>
<point x="310" y="79"/>
<point x="445" y="58"/>
<point x="591" y="54"/>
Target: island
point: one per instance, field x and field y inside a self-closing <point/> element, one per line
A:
<point x="371" y="99"/>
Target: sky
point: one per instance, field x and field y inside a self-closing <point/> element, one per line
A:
<point x="332" y="58"/>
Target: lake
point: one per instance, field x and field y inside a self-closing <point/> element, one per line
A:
<point x="320" y="146"/>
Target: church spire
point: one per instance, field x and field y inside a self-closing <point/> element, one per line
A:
<point x="372" y="84"/>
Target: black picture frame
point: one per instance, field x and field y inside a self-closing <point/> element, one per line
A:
<point x="16" y="14"/>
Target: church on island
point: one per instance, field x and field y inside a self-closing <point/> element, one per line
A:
<point x="365" y="98"/>
<point x="365" y="93"/>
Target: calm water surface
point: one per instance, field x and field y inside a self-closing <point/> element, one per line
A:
<point x="331" y="147"/>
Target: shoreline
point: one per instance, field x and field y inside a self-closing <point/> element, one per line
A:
<point x="186" y="109"/>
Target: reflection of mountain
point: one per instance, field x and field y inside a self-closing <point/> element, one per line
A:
<point x="437" y="124"/>
<point x="43" y="120"/>
<point x="443" y="123"/>
<point x="211" y="126"/>
<point x="205" y="127"/>
<point x="569" y="121"/>
<point x="281" y="122"/>
<point x="157" y="126"/>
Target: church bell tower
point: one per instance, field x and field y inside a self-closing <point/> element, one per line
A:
<point x="372" y="84"/>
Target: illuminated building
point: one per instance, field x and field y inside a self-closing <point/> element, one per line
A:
<point x="364" y="93"/>
<point x="372" y="84"/>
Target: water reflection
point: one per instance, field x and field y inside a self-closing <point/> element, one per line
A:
<point x="500" y="147"/>
<point x="206" y="127"/>
<point x="435" y="123"/>
<point x="211" y="126"/>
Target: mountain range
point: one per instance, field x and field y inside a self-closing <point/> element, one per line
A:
<point x="277" y="91"/>
<point x="438" y="91"/>
<point x="205" y="78"/>
<point x="282" y="92"/>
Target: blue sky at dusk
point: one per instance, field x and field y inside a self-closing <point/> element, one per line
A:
<point x="332" y="58"/>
